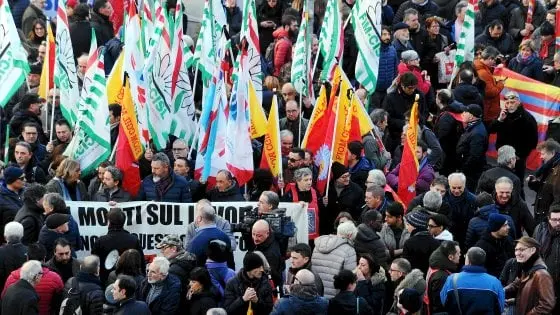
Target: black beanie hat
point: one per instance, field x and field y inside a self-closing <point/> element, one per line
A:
<point x="217" y="251"/>
<point x="338" y="170"/>
<point x="252" y="261"/>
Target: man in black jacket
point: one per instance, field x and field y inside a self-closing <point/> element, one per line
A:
<point x="472" y="146"/>
<point x="465" y="92"/>
<point x="21" y="298"/>
<point x="497" y="244"/>
<point x="301" y="259"/>
<point x="512" y="205"/>
<point x="265" y="242"/>
<point x="506" y="164"/>
<point x="343" y="195"/>
<point x="23" y="154"/>
<point x="14" y="253"/>
<point x="368" y="241"/>
<point x="116" y="238"/>
<point x="102" y="11"/>
<point x="89" y="286"/>
<point x="448" y="128"/>
<point x="31" y="214"/>
<point x="443" y="262"/>
<point x="112" y="190"/>
<point x="418" y="248"/>
<point x="516" y="127"/>
<point x="161" y="290"/>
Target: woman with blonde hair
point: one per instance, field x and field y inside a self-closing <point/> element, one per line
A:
<point x="527" y="61"/>
<point x="67" y="182"/>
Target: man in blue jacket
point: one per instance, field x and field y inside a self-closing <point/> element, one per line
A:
<point x="477" y="291"/>
<point x="164" y="185"/>
<point x="161" y="290"/>
<point x="388" y="62"/>
<point x="472" y="146"/>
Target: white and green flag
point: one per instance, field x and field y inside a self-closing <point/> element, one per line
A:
<point x="211" y="28"/>
<point x="65" y="75"/>
<point x="301" y="76"/>
<point x="91" y="144"/>
<point x="331" y="40"/>
<point x="465" y="45"/>
<point x="249" y="36"/>
<point x="13" y="58"/>
<point x="367" y="30"/>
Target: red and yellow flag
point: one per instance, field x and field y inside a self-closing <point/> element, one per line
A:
<point x="47" y="72"/>
<point x="115" y="86"/>
<point x="256" y="113"/>
<point x="408" y="172"/>
<point x="130" y="124"/>
<point x="271" y="156"/>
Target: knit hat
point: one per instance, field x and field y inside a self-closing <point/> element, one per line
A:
<point x="400" y="26"/>
<point x="338" y="170"/>
<point x="474" y="110"/>
<point x="409" y="55"/>
<point x="496" y="221"/>
<point x="252" y="261"/>
<point x="56" y="219"/>
<point x="11" y="174"/>
<point x="217" y="251"/>
<point x="35" y="68"/>
<point x="410" y="300"/>
<point x="418" y="218"/>
<point x="170" y="240"/>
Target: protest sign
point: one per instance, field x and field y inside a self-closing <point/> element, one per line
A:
<point x="151" y="221"/>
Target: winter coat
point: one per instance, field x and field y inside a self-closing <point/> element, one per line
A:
<point x="487" y="180"/>
<point x="116" y="238"/>
<point x="113" y="49"/>
<point x="294" y="126"/>
<point x="332" y="254"/>
<point x="282" y="49"/>
<point x="466" y="93"/>
<point x="236" y="287"/>
<point x="56" y="185"/>
<point x="221" y="223"/>
<point x="440" y="268"/>
<point x="487" y="14"/>
<point x="178" y="190"/>
<point x="491" y="108"/>
<point x="350" y="199"/>
<point x="54" y="266"/>
<point x="533" y="290"/>
<point x="266" y="13"/>
<point x="531" y="67"/>
<point x="509" y="273"/>
<point x="132" y="306"/>
<point x="461" y="211"/>
<point x="400" y="47"/>
<point x="167" y="302"/>
<point x="373" y="290"/>
<point x="424" y="11"/>
<point x="388" y="62"/>
<point x="479" y="292"/>
<point x="418" y="201"/>
<point x="518" y="17"/>
<point x="519" y="212"/>
<point x="368" y="241"/>
<point x="413" y="280"/>
<point x="18" y="8"/>
<point x="291" y="277"/>
<point x="448" y="128"/>
<point x="220" y="274"/>
<point x="479" y="223"/>
<point x="388" y="237"/>
<point x="471" y="149"/>
<point x="49" y="289"/>
<point x="275" y="257"/>
<point x="117" y="196"/>
<point x="200" y="303"/>
<point x="550" y="249"/>
<point x="373" y="152"/>
<point x="80" y="34"/>
<point x="12" y="256"/>
<point x="234" y="18"/>
<point x="29" y="16"/>
<point x="92" y="292"/>
<point x="347" y="302"/>
<point x="519" y="130"/>
<point x="418" y="248"/>
<point x="231" y="194"/>
<point x="547" y="186"/>
<point x="423" y="85"/>
<point x="103" y="28"/>
<point x="446" y="8"/>
<point x="200" y="241"/>
<point x="505" y="44"/>
<point x="19" y="118"/>
<point x="302" y="300"/>
<point x="425" y="177"/>
<point x="359" y="172"/>
<point x="10" y="203"/>
<point x="20" y="299"/>
<point x="500" y="250"/>
<point x="32" y="218"/>
<point x="397" y="103"/>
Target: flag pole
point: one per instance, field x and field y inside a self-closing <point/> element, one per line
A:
<point x="7" y="145"/>
<point x="52" y="113"/>
<point x="300" y="118"/>
<point x="332" y="147"/>
<point x="114" y="148"/>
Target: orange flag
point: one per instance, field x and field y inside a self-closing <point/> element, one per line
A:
<point x="271" y="156"/>
<point x="408" y="172"/>
<point x="47" y="72"/>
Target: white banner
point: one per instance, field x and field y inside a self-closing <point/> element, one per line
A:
<point x="151" y="221"/>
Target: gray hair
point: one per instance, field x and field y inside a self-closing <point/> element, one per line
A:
<point x="503" y="180"/>
<point x="432" y="200"/>
<point x="161" y="157"/>
<point x="403" y="264"/>
<point x="505" y="154"/>
<point x="207" y="213"/>
<point x="216" y="311"/>
<point x="460" y="6"/>
<point x="13" y="232"/>
<point x="272" y="198"/>
<point x="25" y="145"/>
<point x="378" y="177"/>
<point x="347" y="230"/>
<point x="90" y="264"/>
<point x="460" y="176"/>
<point x="378" y="115"/>
<point x="181" y="141"/>
<point x="300" y="173"/>
<point x="286" y="133"/>
<point x="30" y="271"/>
<point x="115" y="173"/>
<point x="55" y="200"/>
<point x="162" y="264"/>
<point x="408" y="12"/>
<point x="476" y="256"/>
<point x="490" y="52"/>
<point x="376" y="191"/>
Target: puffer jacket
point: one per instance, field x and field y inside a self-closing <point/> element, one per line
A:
<point x="332" y="254"/>
<point x="388" y="237"/>
<point x="10" y="203"/>
<point x="303" y="299"/>
<point x="492" y="89"/>
<point x="413" y="280"/>
<point x="178" y="190"/>
<point x="479" y="223"/>
<point x="368" y="241"/>
<point x="440" y="268"/>
<point x="373" y="290"/>
<point x="388" y="62"/>
<point x="282" y="49"/>
<point x="49" y="288"/>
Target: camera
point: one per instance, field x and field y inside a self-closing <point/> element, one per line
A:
<point x="502" y="59"/>
<point x="280" y="224"/>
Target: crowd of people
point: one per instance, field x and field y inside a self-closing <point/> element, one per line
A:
<point x="468" y="243"/>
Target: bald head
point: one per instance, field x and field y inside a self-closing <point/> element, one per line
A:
<point x="261" y="231"/>
<point x="292" y="110"/>
<point x="288" y="92"/>
<point x="305" y="277"/>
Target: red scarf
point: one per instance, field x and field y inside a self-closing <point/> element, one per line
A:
<point x="543" y="52"/>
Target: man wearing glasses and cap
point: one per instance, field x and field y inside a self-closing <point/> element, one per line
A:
<point x="516" y="127"/>
<point x="11" y="195"/>
<point x="472" y="146"/>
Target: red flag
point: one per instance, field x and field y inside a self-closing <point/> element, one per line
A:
<point x="408" y="172"/>
<point x="557" y="28"/>
<point x="529" y="20"/>
<point x="124" y="161"/>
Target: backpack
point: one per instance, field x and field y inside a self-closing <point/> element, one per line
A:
<point x="267" y="61"/>
<point x="71" y="304"/>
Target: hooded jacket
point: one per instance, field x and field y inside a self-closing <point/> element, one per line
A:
<point x="331" y="254"/>
<point x="32" y="218"/>
<point x="368" y="241"/>
<point x="479" y="223"/>
<point x="440" y="268"/>
<point x="282" y="49"/>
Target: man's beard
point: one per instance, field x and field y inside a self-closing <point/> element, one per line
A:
<point x="156" y="178"/>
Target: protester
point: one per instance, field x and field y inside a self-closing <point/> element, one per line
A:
<point x="226" y="188"/>
<point x="12" y="254"/>
<point x="300" y="255"/>
<point x="510" y="204"/>
<point x="24" y="159"/>
<point x="403" y="276"/>
<point x="54" y="204"/>
<point x="216" y="263"/>
<point x="87" y="283"/>
<point x="265" y="241"/>
<point x="394" y="232"/>
<point x="11" y="190"/>
<point x="462" y="205"/>
<point x="367" y="240"/>
<point x="343" y="195"/>
<point x="418" y="248"/>
<point x="112" y="190"/>
<point x="497" y="244"/>
<point x="164" y="185"/>
<point x="303" y="298"/>
<point x="371" y="282"/>
<point x="67" y="182"/>
<point x="22" y="298"/>
<point x="507" y="161"/>
<point x="443" y="262"/>
<point x="546" y="181"/>
<point x="200" y="297"/>
<point x="31" y="214"/>
<point x="472" y="146"/>
<point x="205" y="220"/>
<point x="130" y="263"/>
<point x="547" y="235"/>
<point x="438" y="225"/>
<point x="161" y="290"/>
<point x="346" y="300"/>
<point x="124" y="290"/>
<point x="62" y="261"/>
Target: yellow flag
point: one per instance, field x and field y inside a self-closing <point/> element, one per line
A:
<point x="115" y="86"/>
<point x="47" y="73"/>
<point x="250" y="309"/>
<point x="361" y="117"/>
<point x="129" y="122"/>
<point x="258" y="118"/>
<point x="343" y="122"/>
<point x="272" y="158"/>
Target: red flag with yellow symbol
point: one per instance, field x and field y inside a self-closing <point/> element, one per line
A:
<point x="408" y="172"/>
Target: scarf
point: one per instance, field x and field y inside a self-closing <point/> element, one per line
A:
<point x="162" y="185"/>
<point x="525" y="60"/>
<point x="546" y="168"/>
<point x="65" y="190"/>
<point x="525" y="268"/>
<point x="543" y="52"/>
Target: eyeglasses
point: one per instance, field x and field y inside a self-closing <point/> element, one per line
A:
<point x="521" y="249"/>
<point x="293" y="160"/>
<point x="178" y="149"/>
<point x="432" y="226"/>
<point x="554" y="220"/>
<point x="394" y="270"/>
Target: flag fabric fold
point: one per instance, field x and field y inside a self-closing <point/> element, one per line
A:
<point x="367" y="29"/>
<point x="331" y="39"/>
<point x="408" y="172"/>
<point x="465" y="45"/>
<point x="301" y="76"/>
<point x="47" y="73"/>
<point x="271" y="156"/>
